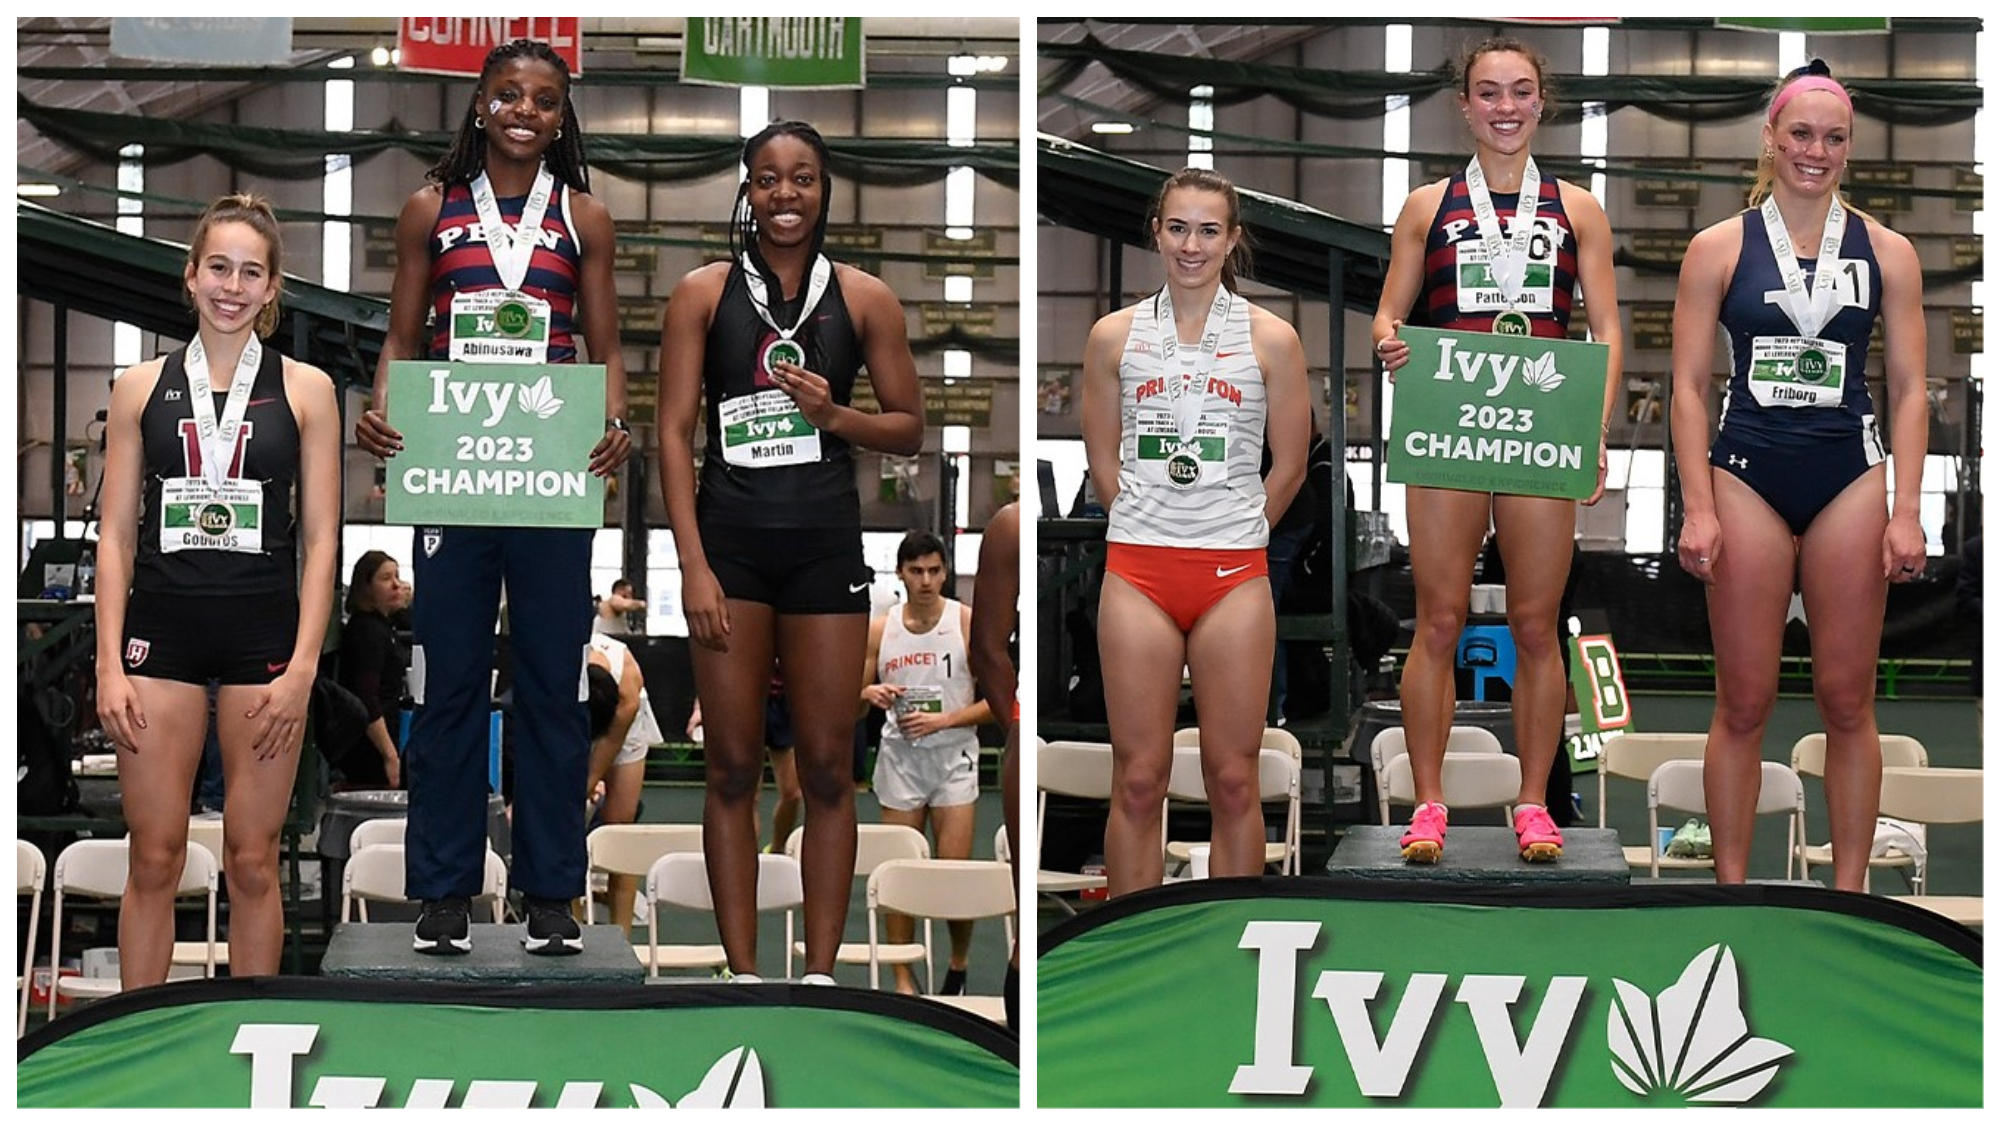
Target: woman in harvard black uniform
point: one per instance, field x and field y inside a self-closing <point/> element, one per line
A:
<point x="1495" y="248"/>
<point x="506" y="219"/>
<point x="770" y="543"/>
<point x="199" y="581"/>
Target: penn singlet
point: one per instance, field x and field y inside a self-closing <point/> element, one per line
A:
<point x="266" y="455"/>
<point x="1457" y="292"/>
<point x="462" y="263"/>
<point x="777" y="470"/>
<point x="1782" y="389"/>
<point x="932" y="671"/>
<point x="1159" y="503"/>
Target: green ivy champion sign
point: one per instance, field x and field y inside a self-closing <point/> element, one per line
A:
<point x="1487" y="412"/>
<point x="1307" y="992"/>
<point x="295" y="1043"/>
<point x="495" y="444"/>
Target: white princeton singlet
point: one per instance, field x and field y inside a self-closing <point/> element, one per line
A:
<point x="931" y="669"/>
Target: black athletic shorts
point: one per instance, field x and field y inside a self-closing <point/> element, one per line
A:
<point x="235" y="638"/>
<point x="792" y="570"/>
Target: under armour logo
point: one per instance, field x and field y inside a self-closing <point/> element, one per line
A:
<point x="1736" y="462"/>
<point x="173" y="395"/>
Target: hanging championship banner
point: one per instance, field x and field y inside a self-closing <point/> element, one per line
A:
<point x="459" y="44"/>
<point x="1487" y="412"/>
<point x="279" y="1043"/>
<point x="495" y="444"/>
<point x="811" y="53"/>
<point x="1333" y="993"/>
<point x="217" y="40"/>
<point x="1601" y="699"/>
<point x="1816" y="25"/>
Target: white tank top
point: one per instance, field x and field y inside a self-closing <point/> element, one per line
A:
<point x="931" y="669"/>
<point x="645" y="729"/>
<point x="1162" y="500"/>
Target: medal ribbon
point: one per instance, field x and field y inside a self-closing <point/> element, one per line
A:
<point x="1810" y="314"/>
<point x="512" y="247"/>
<point x="822" y="273"/>
<point x="1191" y="392"/>
<point x="218" y="439"/>
<point x="1506" y="260"/>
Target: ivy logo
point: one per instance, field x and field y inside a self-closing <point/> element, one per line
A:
<point x="1693" y="1040"/>
<point x="1541" y="374"/>
<point x="736" y="1081"/>
<point x="539" y="398"/>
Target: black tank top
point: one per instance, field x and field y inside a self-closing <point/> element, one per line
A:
<point x="267" y="453"/>
<point x="819" y="493"/>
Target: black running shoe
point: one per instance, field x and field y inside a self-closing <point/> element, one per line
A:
<point x="954" y="983"/>
<point x="551" y="930"/>
<point x="445" y="926"/>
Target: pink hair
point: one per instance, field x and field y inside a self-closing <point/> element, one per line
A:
<point x="1809" y="82"/>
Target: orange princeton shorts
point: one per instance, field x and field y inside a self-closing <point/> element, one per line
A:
<point x="1185" y="582"/>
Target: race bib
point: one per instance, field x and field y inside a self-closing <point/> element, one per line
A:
<point x="1797" y="371"/>
<point x="1478" y="292"/>
<point x="1165" y="459"/>
<point x="195" y="516"/>
<point x="928" y="698"/>
<point x="766" y="429"/>
<point x="499" y="326"/>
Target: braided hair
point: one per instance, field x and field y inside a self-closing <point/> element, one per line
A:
<point x="467" y="157"/>
<point x="743" y="224"/>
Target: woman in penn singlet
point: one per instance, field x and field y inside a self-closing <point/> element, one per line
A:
<point x="506" y="218"/>
<point x="200" y="581"/>
<point x="1495" y="248"/>
<point x="1792" y="493"/>
<point x="770" y="543"/>
<point x="1182" y="392"/>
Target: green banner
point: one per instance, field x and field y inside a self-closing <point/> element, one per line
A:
<point x="495" y="444"/>
<point x="1818" y="25"/>
<point x="1488" y="412"/>
<point x="1312" y="992"/>
<point x="283" y="1043"/>
<point x="817" y="53"/>
<point x="1601" y="699"/>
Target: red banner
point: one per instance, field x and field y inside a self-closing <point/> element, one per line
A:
<point x="459" y="44"/>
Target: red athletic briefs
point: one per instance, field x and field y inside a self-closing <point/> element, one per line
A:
<point x="1185" y="582"/>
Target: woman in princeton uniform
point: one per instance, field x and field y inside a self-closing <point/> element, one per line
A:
<point x="770" y="543"/>
<point x="1792" y="491"/>
<point x="1453" y="264"/>
<point x="1182" y="392"/>
<point x="200" y="581"/>
<point x="506" y="219"/>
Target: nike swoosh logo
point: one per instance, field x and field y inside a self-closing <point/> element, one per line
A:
<point x="1221" y="573"/>
<point x="262" y="401"/>
<point x="278" y="667"/>
<point x="857" y="589"/>
<point x="1226" y="355"/>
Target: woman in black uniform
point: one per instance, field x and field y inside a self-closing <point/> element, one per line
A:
<point x="373" y="668"/>
<point x="199" y="581"/>
<point x="770" y="546"/>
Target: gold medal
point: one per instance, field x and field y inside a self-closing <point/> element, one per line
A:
<point x="1511" y="323"/>
<point x="215" y="519"/>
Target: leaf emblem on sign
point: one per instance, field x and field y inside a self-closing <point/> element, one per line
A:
<point x="736" y="1081"/>
<point x="1542" y="375"/>
<point x="1694" y="1039"/>
<point x="539" y="398"/>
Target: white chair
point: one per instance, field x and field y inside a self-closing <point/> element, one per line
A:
<point x="1390" y="742"/>
<point x="381" y="830"/>
<point x="1937" y="795"/>
<point x="97" y="869"/>
<point x="1274" y="738"/>
<point x="1634" y="756"/>
<point x="681" y="879"/>
<point x="1277" y="780"/>
<point x="204" y="831"/>
<point x="1677" y="785"/>
<point x="1809" y="760"/>
<point x="632" y="849"/>
<point x="1067" y="769"/>
<point x="940" y="890"/>
<point x="30" y="875"/>
<point x="375" y="874"/>
<point x="874" y="845"/>
<point x="1470" y="781"/>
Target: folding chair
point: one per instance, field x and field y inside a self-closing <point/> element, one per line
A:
<point x="1678" y="785"/>
<point x="1809" y="760"/>
<point x="381" y="830"/>
<point x="1277" y="780"/>
<point x="874" y="845"/>
<point x="375" y="874"/>
<point x="632" y="849"/>
<point x="1634" y="756"/>
<point x="1067" y="769"/>
<point x="1471" y="781"/>
<point x="204" y="830"/>
<point x="1390" y="742"/>
<point x="1937" y="795"/>
<point x="30" y="874"/>
<point x="940" y="890"/>
<point x="98" y="869"/>
<point x="681" y="879"/>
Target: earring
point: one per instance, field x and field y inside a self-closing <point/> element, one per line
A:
<point x="478" y="122"/>
<point x="558" y="132"/>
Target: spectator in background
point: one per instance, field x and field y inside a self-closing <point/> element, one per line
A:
<point x="373" y="667"/>
<point x="618" y="610"/>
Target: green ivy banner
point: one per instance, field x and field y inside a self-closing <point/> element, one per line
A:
<point x="1325" y="993"/>
<point x="284" y="1043"/>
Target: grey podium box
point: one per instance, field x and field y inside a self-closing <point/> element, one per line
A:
<point x="1482" y="856"/>
<point x="382" y="951"/>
